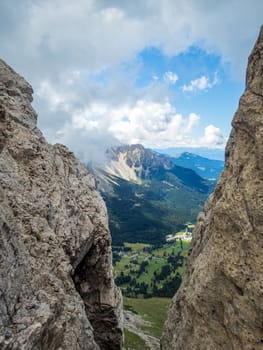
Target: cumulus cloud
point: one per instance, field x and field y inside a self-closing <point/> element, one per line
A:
<point x="57" y="34"/>
<point x="63" y="47"/>
<point x="193" y="121"/>
<point x="212" y="137"/>
<point x="90" y="127"/>
<point x="170" y="77"/>
<point x="153" y="124"/>
<point x="200" y="84"/>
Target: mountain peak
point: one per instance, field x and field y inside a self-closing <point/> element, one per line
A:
<point x="254" y="81"/>
<point x="17" y="95"/>
<point x="135" y="162"/>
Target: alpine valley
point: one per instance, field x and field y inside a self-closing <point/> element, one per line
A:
<point x="152" y="203"/>
<point x="149" y="195"/>
<point x="57" y="284"/>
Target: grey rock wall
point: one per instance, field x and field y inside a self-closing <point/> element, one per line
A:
<point x="56" y="285"/>
<point x="220" y="303"/>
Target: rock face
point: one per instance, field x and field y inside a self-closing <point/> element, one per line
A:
<point x="220" y="303"/>
<point x="56" y="286"/>
<point x="134" y="162"/>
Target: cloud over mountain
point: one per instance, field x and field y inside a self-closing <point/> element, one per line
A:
<point x="86" y="54"/>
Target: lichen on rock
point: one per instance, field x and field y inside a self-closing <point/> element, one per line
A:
<point x="220" y="302"/>
<point x="56" y="283"/>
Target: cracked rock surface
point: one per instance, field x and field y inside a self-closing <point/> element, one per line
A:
<point x="56" y="285"/>
<point x="220" y="302"/>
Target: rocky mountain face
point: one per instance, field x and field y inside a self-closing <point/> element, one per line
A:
<point x="134" y="162"/>
<point x="56" y="284"/>
<point x="220" y="302"/>
<point x="147" y="195"/>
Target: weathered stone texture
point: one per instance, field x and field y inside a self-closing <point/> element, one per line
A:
<point x="220" y="303"/>
<point x="56" y="285"/>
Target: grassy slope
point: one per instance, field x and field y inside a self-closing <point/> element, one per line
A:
<point x="153" y="310"/>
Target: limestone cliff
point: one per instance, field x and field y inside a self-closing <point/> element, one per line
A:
<point x="56" y="286"/>
<point x="220" y="303"/>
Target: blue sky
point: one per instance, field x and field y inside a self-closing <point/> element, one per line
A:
<point x="215" y="101"/>
<point x="162" y="73"/>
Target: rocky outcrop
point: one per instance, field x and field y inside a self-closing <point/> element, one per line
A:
<point x="134" y="162"/>
<point x="220" y="303"/>
<point x="56" y="285"/>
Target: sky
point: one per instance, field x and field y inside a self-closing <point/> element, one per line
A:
<point x="161" y="73"/>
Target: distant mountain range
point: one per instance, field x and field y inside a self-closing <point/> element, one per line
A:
<point x="148" y="196"/>
<point x="210" y="153"/>
<point x="206" y="168"/>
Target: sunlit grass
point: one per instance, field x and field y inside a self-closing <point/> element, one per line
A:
<point x="153" y="310"/>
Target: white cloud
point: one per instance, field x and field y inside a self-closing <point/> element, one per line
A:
<point x="153" y="124"/>
<point x="61" y="44"/>
<point x="55" y="35"/>
<point x="193" y="121"/>
<point x="170" y="77"/>
<point x="56" y="100"/>
<point x="201" y="84"/>
<point x="212" y="137"/>
<point x="90" y="127"/>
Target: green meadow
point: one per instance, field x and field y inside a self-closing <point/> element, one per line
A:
<point x="142" y="270"/>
